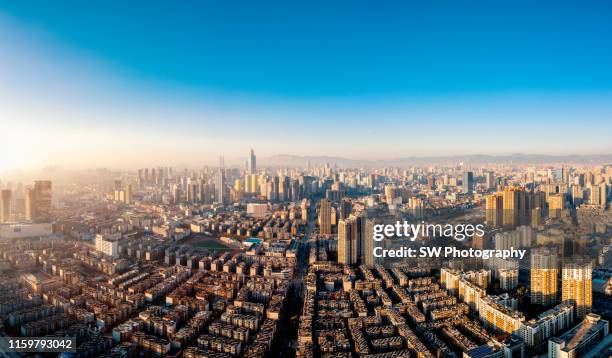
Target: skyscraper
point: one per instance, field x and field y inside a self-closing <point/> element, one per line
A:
<point x="515" y="206"/>
<point x="345" y="245"/>
<point x="468" y="182"/>
<point x="325" y="212"/>
<point x="494" y="209"/>
<point x="350" y="240"/>
<point x="38" y="201"/>
<point x="556" y="204"/>
<point x="5" y="205"/>
<point x="220" y="196"/>
<point x="577" y="286"/>
<point x="253" y="162"/>
<point x="490" y="180"/>
<point x="544" y="275"/>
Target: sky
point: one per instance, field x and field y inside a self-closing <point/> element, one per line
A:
<point x="123" y="84"/>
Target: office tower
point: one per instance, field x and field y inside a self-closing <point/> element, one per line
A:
<point x="490" y="180"/>
<point x="576" y="282"/>
<point x="253" y="162"/>
<point x="220" y="196"/>
<point x="468" y="182"/>
<point x="325" y="213"/>
<point x="556" y="204"/>
<point x="544" y="275"/>
<point x="5" y="205"/>
<point x="494" y="208"/>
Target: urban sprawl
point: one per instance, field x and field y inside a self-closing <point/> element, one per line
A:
<point x="270" y="261"/>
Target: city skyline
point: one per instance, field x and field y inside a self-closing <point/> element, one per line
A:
<point x="79" y="88"/>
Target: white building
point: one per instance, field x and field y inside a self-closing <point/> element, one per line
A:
<point x="579" y="340"/>
<point x="549" y="323"/>
<point x="108" y="244"/>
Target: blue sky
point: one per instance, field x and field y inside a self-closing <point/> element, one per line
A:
<point x="350" y="78"/>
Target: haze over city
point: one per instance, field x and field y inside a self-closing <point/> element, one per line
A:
<point x="319" y="179"/>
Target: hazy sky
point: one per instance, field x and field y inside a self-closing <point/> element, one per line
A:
<point x="98" y="83"/>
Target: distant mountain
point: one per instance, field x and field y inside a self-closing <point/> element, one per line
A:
<point x="518" y="158"/>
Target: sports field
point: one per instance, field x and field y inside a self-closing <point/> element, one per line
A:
<point x="208" y="244"/>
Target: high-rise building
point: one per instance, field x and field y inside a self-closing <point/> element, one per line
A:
<point x="468" y="182"/>
<point x="490" y="180"/>
<point x="129" y="191"/>
<point x="30" y="203"/>
<point x="325" y="213"/>
<point x="345" y="208"/>
<point x="38" y="201"/>
<point x="220" y="196"/>
<point x="347" y="249"/>
<point x="5" y="205"/>
<point x="494" y="209"/>
<point x="368" y="244"/>
<point x="544" y="275"/>
<point x="598" y="195"/>
<point x="556" y="204"/>
<point x="576" y="282"/>
<point x="515" y="206"/>
<point x="253" y="162"/>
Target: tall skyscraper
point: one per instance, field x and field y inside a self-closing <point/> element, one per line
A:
<point x="515" y="206"/>
<point x="468" y="182"/>
<point x="220" y="196"/>
<point x="38" y="201"/>
<point x="5" y="205"/>
<point x="253" y="162"/>
<point x="346" y="250"/>
<point x="576" y="282"/>
<point x="30" y="204"/>
<point x="490" y="180"/>
<point x="325" y="213"/>
<point x="350" y="240"/>
<point x="494" y="209"/>
<point x="544" y="275"/>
